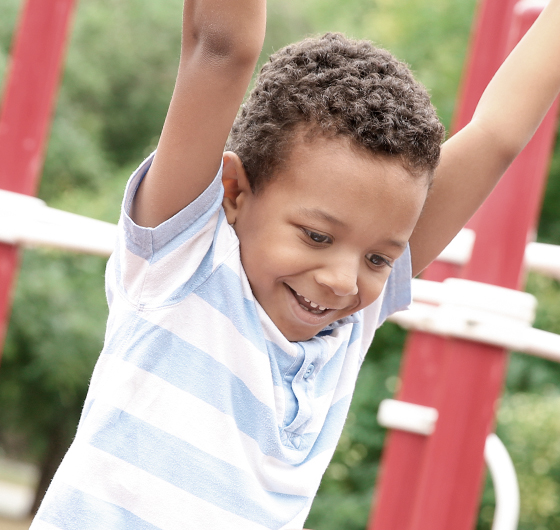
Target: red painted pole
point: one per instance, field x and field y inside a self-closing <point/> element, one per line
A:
<point x="29" y="98"/>
<point x="424" y="354"/>
<point x="489" y="42"/>
<point x="472" y="374"/>
<point x="434" y="483"/>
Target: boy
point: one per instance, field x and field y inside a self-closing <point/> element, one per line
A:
<point x="247" y="285"/>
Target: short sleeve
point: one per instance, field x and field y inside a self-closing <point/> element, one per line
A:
<point x="398" y="293"/>
<point x="149" y="241"/>
<point x="151" y="265"/>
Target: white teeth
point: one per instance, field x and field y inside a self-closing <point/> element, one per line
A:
<point x="319" y="308"/>
<point x="317" y="311"/>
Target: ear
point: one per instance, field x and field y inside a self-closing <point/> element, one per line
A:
<point x="236" y="185"/>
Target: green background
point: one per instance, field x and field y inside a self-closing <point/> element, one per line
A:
<point x="119" y="74"/>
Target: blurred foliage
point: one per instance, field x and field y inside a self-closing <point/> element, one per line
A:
<point x="549" y="228"/>
<point x="57" y="314"/>
<point x="529" y="426"/>
<point x="118" y="80"/>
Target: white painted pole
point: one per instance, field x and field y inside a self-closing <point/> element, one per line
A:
<point x="506" y="488"/>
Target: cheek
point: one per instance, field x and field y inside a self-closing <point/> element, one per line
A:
<point x="265" y="260"/>
<point x="371" y="289"/>
<point x="278" y="250"/>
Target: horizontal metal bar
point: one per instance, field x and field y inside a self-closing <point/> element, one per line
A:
<point x="419" y="419"/>
<point x="22" y="224"/>
<point x="28" y="221"/>
<point x="453" y="322"/>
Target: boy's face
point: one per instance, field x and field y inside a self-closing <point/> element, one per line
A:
<point x="318" y="242"/>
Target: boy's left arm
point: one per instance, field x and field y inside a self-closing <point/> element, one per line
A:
<point x="473" y="160"/>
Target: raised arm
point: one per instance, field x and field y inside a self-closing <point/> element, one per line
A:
<point x="221" y="43"/>
<point x="509" y="112"/>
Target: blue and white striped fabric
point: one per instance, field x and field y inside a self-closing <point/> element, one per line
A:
<point x="200" y="414"/>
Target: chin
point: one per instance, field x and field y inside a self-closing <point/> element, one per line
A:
<point x="301" y="335"/>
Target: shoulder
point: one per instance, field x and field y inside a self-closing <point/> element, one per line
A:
<point x="150" y="264"/>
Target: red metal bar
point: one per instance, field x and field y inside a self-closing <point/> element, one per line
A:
<point x="424" y="354"/>
<point x="434" y="483"/>
<point x="489" y="41"/>
<point x="472" y="376"/>
<point x="27" y="107"/>
<point x="401" y="464"/>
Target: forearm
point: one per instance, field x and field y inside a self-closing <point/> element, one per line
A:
<point x="473" y="160"/>
<point x="221" y="43"/>
<point x="521" y="92"/>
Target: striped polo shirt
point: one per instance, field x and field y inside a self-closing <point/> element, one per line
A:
<point x="200" y="413"/>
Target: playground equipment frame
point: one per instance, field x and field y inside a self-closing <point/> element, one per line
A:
<point x="27" y="221"/>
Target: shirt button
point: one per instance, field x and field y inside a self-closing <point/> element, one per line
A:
<point x="309" y="371"/>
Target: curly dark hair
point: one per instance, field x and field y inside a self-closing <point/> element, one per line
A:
<point x="335" y="86"/>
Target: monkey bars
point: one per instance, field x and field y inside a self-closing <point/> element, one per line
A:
<point x="430" y="481"/>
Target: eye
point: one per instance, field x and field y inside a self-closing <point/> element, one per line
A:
<point x="321" y="239"/>
<point x="379" y="261"/>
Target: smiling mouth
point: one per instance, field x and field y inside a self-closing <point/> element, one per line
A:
<point x="308" y="305"/>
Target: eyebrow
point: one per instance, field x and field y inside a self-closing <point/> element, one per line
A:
<point x="322" y="215"/>
<point x="317" y="213"/>
<point x="397" y="244"/>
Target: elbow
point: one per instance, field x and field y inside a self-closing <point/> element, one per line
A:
<point x="509" y="148"/>
<point x="224" y="32"/>
<point x="219" y="45"/>
<point x="506" y="141"/>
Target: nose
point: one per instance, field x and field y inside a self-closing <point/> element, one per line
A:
<point x="341" y="277"/>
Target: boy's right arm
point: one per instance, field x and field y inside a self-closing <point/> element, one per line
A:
<point x="221" y="43"/>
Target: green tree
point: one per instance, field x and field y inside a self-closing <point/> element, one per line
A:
<point x="118" y="80"/>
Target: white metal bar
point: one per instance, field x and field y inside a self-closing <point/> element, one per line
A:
<point x="409" y="417"/>
<point x="28" y="221"/>
<point x="419" y="419"/>
<point x="16" y="208"/>
<point x="506" y="488"/>
<point x="459" y="250"/>
<point x="428" y="291"/>
<point x="452" y="322"/>
<point x="491" y="299"/>
<point x="539" y="257"/>
<point x="543" y="258"/>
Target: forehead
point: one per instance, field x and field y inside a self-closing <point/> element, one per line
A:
<point x="340" y="157"/>
<point x="328" y="179"/>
